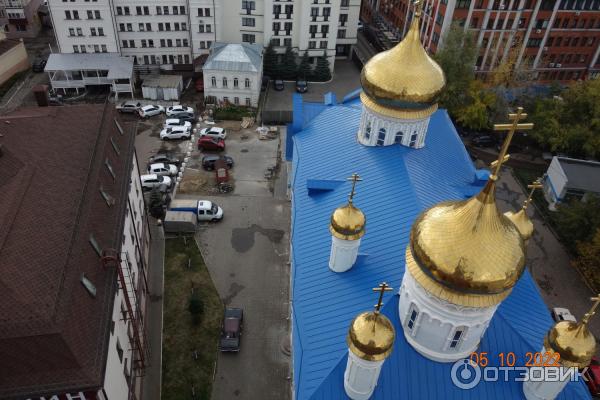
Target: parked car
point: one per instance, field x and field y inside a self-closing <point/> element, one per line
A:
<point x="163" y="169"/>
<point x="205" y="210"/>
<point x="231" y="330"/>
<point x="214" y="131"/>
<point x="208" y="161"/>
<point x="301" y="86"/>
<point x="155" y="181"/>
<point x="129" y="107"/>
<point x="210" y="143"/>
<point x="163" y="157"/>
<point x="562" y="314"/>
<point x="185" y="116"/>
<point x="171" y="122"/>
<point x="176" y="132"/>
<point x="151" y="110"/>
<point x="174" y="110"/>
<point x="591" y="375"/>
<point x="278" y="85"/>
<point x="200" y="84"/>
<point x="483" y="141"/>
<point x="38" y="64"/>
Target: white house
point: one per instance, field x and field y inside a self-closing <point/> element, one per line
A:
<point x="570" y="177"/>
<point x="233" y="73"/>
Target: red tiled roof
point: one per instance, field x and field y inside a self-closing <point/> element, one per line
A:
<point x="53" y="333"/>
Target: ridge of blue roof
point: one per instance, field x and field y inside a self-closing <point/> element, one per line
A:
<point x="398" y="183"/>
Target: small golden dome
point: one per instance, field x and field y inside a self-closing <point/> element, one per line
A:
<point x="371" y="336"/>
<point x="573" y="341"/>
<point x="522" y="222"/>
<point x="348" y="222"/>
<point x="468" y="247"/>
<point x="404" y="77"/>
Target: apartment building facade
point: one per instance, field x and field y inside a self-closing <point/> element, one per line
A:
<point x="551" y="40"/>
<point x="20" y="18"/>
<point x="177" y="32"/>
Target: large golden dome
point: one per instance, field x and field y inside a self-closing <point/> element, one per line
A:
<point x="573" y="341"/>
<point x="404" y="77"/>
<point x="465" y="251"/>
<point x="348" y="222"/>
<point x="371" y="336"/>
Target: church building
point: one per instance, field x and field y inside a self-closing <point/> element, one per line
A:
<point x="385" y="198"/>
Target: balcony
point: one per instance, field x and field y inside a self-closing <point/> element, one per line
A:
<point x="14" y="4"/>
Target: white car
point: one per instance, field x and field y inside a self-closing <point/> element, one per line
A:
<point x="177" y="122"/>
<point x="174" y="110"/>
<point x="151" y="181"/>
<point x="163" y="169"/>
<point x="150" y="110"/>
<point x="176" y="132"/>
<point x="215" y="132"/>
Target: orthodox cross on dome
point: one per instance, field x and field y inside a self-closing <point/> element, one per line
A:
<point x="535" y="185"/>
<point x="382" y="288"/>
<point x="418" y="7"/>
<point x="592" y="311"/>
<point x="354" y="178"/>
<point x="511" y="128"/>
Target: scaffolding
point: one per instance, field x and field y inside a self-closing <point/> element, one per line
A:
<point x="140" y="346"/>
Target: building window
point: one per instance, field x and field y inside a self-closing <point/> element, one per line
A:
<point x="456" y="338"/>
<point x="248" y="38"/>
<point x="104" y="49"/>
<point x="368" y="131"/>
<point x="95" y="245"/>
<point x="381" y="137"/>
<point x="323" y="44"/>
<point x="341" y="34"/>
<point x="110" y="168"/>
<point x="224" y="82"/>
<point x="312" y="44"/>
<point x="213" y="81"/>
<point x="236" y="101"/>
<point x="235" y="82"/>
<point x="247" y="83"/>
<point x="398" y="138"/>
<point x="413" y="139"/>
<point x="119" y="350"/>
<point x="463" y="4"/>
<point x="247" y="101"/>
<point x="248" y="21"/>
<point x="413" y="314"/>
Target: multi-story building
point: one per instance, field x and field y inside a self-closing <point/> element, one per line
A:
<point x="73" y="254"/>
<point x="20" y="18"/>
<point x="554" y="40"/>
<point x="181" y="31"/>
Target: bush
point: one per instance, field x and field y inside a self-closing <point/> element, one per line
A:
<point x="232" y="112"/>
<point x="196" y="308"/>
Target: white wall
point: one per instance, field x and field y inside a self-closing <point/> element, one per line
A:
<point x="558" y="178"/>
<point x="134" y="232"/>
<point x="219" y="91"/>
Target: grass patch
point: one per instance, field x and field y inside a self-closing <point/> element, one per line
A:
<point x="233" y="113"/>
<point x="181" y="335"/>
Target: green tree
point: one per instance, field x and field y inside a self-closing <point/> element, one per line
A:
<point x="588" y="259"/>
<point x="289" y="68"/>
<point x="322" y="71"/>
<point x="271" y="67"/>
<point x="457" y="59"/>
<point x="578" y="221"/>
<point x="479" y="105"/>
<point x="305" y="69"/>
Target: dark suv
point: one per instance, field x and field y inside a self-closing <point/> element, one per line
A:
<point x="185" y="116"/>
<point x="208" y="162"/>
<point x="231" y="331"/>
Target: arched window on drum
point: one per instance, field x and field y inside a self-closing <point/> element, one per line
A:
<point x="381" y="137"/>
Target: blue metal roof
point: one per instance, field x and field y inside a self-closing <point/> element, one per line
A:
<point x="398" y="183"/>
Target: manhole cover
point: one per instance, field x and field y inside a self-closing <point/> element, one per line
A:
<point x="244" y="150"/>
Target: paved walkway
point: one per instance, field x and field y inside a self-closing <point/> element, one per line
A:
<point x="154" y="313"/>
<point x="560" y="284"/>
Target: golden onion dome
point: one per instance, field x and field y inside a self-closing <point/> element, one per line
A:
<point x="573" y="342"/>
<point x="522" y="222"/>
<point x="371" y="336"/>
<point x="348" y="222"/>
<point x="404" y="77"/>
<point x="465" y="251"/>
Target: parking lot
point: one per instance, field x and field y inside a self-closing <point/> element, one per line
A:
<point x="246" y="253"/>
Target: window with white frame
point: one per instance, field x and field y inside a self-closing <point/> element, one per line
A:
<point x="398" y="137"/>
<point x="413" y="139"/>
<point x="457" y="337"/>
<point x="247" y="101"/>
<point x="381" y="137"/>
<point x="247" y="83"/>
<point x="213" y="81"/>
<point x="368" y="131"/>
<point x="224" y="82"/>
<point x="411" y="320"/>
<point x="235" y="83"/>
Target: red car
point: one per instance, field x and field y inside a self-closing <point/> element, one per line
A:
<point x="210" y="143"/>
<point x="591" y="376"/>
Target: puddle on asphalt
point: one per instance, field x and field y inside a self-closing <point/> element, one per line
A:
<point x="242" y="239"/>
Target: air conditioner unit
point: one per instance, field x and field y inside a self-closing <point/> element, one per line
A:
<point x="551" y="65"/>
<point x="558" y="65"/>
<point x="538" y="31"/>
